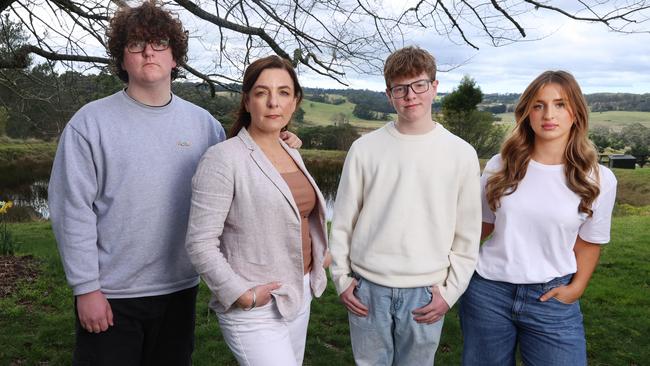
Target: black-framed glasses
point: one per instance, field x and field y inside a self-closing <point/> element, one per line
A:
<point x="418" y="87"/>
<point x="138" y="46"/>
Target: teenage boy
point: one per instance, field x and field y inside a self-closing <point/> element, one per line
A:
<point x="407" y="221"/>
<point x="119" y="198"/>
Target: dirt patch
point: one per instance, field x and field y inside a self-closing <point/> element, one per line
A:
<point x="15" y="270"/>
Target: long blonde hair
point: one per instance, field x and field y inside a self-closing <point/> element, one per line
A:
<point x="580" y="156"/>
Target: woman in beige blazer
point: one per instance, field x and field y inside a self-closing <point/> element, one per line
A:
<point x="257" y="230"/>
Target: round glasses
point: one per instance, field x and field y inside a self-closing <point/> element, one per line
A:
<point x="138" y="46"/>
<point x="418" y="87"/>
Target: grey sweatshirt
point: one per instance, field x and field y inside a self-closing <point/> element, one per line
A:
<point x="119" y="194"/>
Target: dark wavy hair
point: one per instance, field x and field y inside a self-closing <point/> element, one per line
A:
<point x="253" y="71"/>
<point x="145" y="22"/>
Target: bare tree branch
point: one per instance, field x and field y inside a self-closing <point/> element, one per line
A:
<point x="21" y="61"/>
<point x="326" y="37"/>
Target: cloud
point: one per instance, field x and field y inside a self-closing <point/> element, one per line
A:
<point x="601" y="60"/>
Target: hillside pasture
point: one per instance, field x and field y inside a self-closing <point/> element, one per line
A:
<point x="320" y="114"/>
<point x="615" y="120"/>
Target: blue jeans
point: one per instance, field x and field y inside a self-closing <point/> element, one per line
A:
<point x="389" y="335"/>
<point x="496" y="316"/>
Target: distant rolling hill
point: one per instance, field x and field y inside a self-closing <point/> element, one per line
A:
<point x="615" y="120"/>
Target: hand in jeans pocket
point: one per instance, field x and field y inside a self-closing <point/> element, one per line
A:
<point x="433" y="311"/>
<point x="351" y="302"/>
<point x="565" y="294"/>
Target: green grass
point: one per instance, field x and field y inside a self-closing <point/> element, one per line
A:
<point x="615" y="120"/>
<point x="633" y="186"/>
<point x="617" y="302"/>
<point x="16" y="152"/>
<point x="313" y="154"/>
<point x="321" y="114"/>
<point x="36" y="323"/>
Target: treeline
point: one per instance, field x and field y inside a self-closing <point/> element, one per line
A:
<point x="496" y="103"/>
<point x="633" y="139"/>
<point x="371" y="100"/>
<point x="332" y="137"/>
<point x="38" y="102"/>
<point x="598" y="102"/>
<point x="317" y="95"/>
<point x="602" y="102"/>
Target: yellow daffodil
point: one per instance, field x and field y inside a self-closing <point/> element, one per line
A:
<point x="4" y="206"/>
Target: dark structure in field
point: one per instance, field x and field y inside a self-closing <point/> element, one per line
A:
<point x="622" y="161"/>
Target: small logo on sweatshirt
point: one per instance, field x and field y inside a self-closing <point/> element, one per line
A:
<point x="184" y="143"/>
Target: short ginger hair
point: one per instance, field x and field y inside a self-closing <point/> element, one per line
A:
<point x="408" y="62"/>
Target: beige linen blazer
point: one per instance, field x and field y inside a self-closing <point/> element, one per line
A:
<point x="244" y="227"/>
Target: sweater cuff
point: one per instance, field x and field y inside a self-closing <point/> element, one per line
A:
<point x="86" y="287"/>
<point x="342" y="283"/>
<point x="450" y="295"/>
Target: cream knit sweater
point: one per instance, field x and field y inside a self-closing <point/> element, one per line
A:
<point x="408" y="212"/>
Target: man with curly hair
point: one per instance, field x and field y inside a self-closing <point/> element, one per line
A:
<point x="119" y="200"/>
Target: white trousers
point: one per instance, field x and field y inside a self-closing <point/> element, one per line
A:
<point x="260" y="337"/>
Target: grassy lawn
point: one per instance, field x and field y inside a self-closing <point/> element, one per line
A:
<point x="313" y="154"/>
<point x="633" y="186"/>
<point x="26" y="152"/>
<point x="36" y="323"/>
<point x="615" y="120"/>
<point x="320" y="114"/>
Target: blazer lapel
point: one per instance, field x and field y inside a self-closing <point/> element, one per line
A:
<point x="268" y="169"/>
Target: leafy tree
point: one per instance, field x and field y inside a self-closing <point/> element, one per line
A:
<point x="372" y="100"/>
<point x="601" y="137"/>
<point x="465" y="97"/>
<point x="637" y="139"/>
<point x="461" y="116"/>
<point x="340" y="119"/>
<point x="319" y="97"/>
<point x="330" y="137"/>
<point x="299" y="116"/>
<point x="362" y="111"/>
<point x="338" y="101"/>
<point x="4" y="117"/>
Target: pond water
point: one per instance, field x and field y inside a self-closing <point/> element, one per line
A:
<point x="27" y="187"/>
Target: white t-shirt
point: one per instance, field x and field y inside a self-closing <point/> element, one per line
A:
<point x="536" y="227"/>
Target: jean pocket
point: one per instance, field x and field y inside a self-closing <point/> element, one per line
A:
<point x="359" y="284"/>
<point x="429" y="292"/>
<point x="562" y="302"/>
<point x="556" y="282"/>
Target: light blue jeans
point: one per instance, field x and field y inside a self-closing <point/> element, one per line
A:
<point x="389" y="335"/>
<point x="496" y="316"/>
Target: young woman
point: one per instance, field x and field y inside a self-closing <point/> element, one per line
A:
<point x="257" y="228"/>
<point x="547" y="205"/>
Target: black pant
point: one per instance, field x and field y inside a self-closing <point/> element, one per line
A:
<point x="154" y="330"/>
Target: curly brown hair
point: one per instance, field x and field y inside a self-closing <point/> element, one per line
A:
<point x="145" y="22"/>
<point x="580" y="156"/>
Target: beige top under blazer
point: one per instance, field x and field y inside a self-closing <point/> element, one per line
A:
<point x="244" y="227"/>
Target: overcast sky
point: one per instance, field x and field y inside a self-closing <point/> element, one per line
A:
<point x="600" y="60"/>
